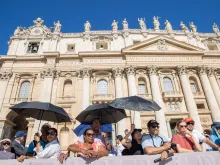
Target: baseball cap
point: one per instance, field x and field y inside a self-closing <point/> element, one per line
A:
<point x="20" y="134"/>
<point x="152" y="122"/>
<point x="119" y="137"/>
<point x="188" y="119"/>
<point x="215" y="124"/>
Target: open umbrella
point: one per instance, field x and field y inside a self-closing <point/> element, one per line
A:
<point x="41" y="111"/>
<point x="103" y="112"/>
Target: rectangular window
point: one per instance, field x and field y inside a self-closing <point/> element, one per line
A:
<point x="200" y="106"/>
<point x="71" y="48"/>
<point x="33" y="47"/>
<point x="101" y="46"/>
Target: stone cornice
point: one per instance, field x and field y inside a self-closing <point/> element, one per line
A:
<point x="99" y="53"/>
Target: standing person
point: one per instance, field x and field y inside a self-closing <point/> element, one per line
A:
<point x="200" y="138"/>
<point x="215" y="134"/>
<point x="17" y="148"/>
<point x="120" y="147"/>
<point x="42" y="139"/>
<point x="5" y="153"/>
<point x="126" y="132"/>
<point x="136" y="148"/>
<point x="154" y="144"/>
<point x="184" y="139"/>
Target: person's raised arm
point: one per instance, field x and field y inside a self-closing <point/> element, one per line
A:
<point x="123" y="142"/>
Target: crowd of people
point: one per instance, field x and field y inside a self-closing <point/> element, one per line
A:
<point x="94" y="143"/>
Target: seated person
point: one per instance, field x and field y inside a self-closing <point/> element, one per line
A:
<point x="215" y="134"/>
<point x="88" y="148"/>
<point x="120" y="147"/>
<point x="17" y="145"/>
<point x="184" y="139"/>
<point x="154" y="144"/>
<point x="51" y="150"/>
<point x="136" y="148"/>
<point x="5" y="152"/>
<point x="42" y="139"/>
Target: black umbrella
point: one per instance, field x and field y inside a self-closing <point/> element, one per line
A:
<point x="41" y="111"/>
<point x="135" y="103"/>
<point x="103" y="112"/>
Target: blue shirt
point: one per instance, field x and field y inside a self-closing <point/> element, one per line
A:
<point x="215" y="140"/>
<point x="32" y="145"/>
<point x="153" y="141"/>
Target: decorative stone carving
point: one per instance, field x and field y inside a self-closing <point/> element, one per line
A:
<point x="193" y="27"/>
<point x="130" y="70"/>
<point x="202" y="69"/>
<point x="211" y="71"/>
<point x="85" y="72"/>
<point x="19" y="31"/>
<point x="57" y="27"/>
<point x="114" y="26"/>
<point x="184" y="27"/>
<point x="117" y="72"/>
<point x="215" y="28"/>
<point x="168" y="26"/>
<point x="161" y="44"/>
<point x="5" y="75"/>
<point x="125" y="24"/>
<point x="38" y="22"/>
<point x="156" y="23"/>
<point x="87" y="26"/>
<point x="142" y="24"/>
<point x="49" y="73"/>
<point x="152" y="70"/>
<point x="173" y="106"/>
<point x="181" y="70"/>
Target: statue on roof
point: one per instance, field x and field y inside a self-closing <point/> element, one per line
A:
<point x="18" y="31"/>
<point x="142" y="23"/>
<point x="156" y="23"/>
<point x="57" y="27"/>
<point x="114" y="26"/>
<point x="215" y="28"/>
<point x="38" y="22"/>
<point x="183" y="26"/>
<point x="193" y="27"/>
<point x="125" y="24"/>
<point x="168" y="26"/>
<point x="87" y="26"/>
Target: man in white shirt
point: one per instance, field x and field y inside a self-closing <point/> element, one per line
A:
<point x="198" y="135"/>
<point x="120" y="147"/>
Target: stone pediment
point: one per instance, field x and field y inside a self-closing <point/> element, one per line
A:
<point x="162" y="45"/>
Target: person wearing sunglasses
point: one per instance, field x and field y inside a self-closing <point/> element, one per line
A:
<point x="88" y="148"/>
<point x="215" y="134"/>
<point x="154" y="144"/>
<point x="184" y="139"/>
<point x="51" y="150"/>
<point x="5" y="153"/>
<point x="200" y="138"/>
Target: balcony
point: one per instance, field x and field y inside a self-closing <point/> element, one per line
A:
<point x="146" y="96"/>
<point x="18" y="100"/>
<point x="102" y="98"/>
<point x="66" y="100"/>
<point x="172" y="96"/>
<point x="198" y="95"/>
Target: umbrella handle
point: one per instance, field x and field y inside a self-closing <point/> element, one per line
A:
<point x="40" y="121"/>
<point x="133" y="117"/>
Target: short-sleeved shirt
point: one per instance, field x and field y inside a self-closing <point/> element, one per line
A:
<point x="215" y="140"/>
<point x="6" y="155"/>
<point x="198" y="136"/>
<point x="184" y="142"/>
<point x="32" y="145"/>
<point x="95" y="146"/>
<point x="153" y="141"/>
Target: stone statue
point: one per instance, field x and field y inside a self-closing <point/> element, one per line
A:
<point x="215" y="28"/>
<point x="168" y="26"/>
<point x="38" y="22"/>
<point x="114" y="26"/>
<point x="57" y="27"/>
<point x="18" y="31"/>
<point x="142" y="23"/>
<point x="183" y="26"/>
<point x="125" y="24"/>
<point x="87" y="26"/>
<point x="193" y="27"/>
<point x="156" y="23"/>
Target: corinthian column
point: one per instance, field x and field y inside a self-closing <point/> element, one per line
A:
<point x="130" y="71"/>
<point x="118" y="72"/>
<point x="157" y="97"/>
<point x="85" y="73"/>
<point x="189" y="98"/>
<point x="212" y="103"/>
<point x="214" y="84"/>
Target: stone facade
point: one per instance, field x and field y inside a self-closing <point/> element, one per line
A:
<point x="179" y="69"/>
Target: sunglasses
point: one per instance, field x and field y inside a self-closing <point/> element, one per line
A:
<point x="51" y="133"/>
<point x="90" y="135"/>
<point x="190" y="123"/>
<point x="6" y="144"/>
<point x="155" y="126"/>
<point x="181" y="126"/>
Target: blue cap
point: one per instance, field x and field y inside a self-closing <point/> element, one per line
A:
<point x="20" y="134"/>
<point x="215" y="124"/>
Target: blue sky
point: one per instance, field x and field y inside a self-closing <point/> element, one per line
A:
<point x="72" y="14"/>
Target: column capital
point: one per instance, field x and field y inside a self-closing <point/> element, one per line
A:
<point x="117" y="72"/>
<point x="211" y="71"/>
<point x="85" y="72"/>
<point x="49" y="72"/>
<point x="152" y="70"/>
<point x="202" y="70"/>
<point x="5" y="75"/>
<point x="130" y="70"/>
<point x="181" y="70"/>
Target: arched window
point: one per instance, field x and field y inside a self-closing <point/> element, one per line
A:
<point x="24" y="90"/>
<point x="168" y="85"/>
<point x="67" y="88"/>
<point x="141" y="86"/>
<point x="193" y="85"/>
<point x="102" y="87"/>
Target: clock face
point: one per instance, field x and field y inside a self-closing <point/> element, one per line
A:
<point x="36" y="31"/>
